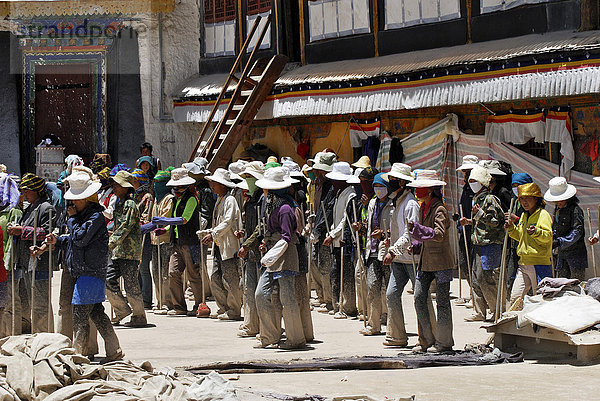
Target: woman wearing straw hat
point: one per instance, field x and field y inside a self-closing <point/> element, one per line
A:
<point x="281" y="265"/>
<point x="432" y="236"/>
<point x="225" y="282"/>
<point x="126" y="248"/>
<point x="534" y="233"/>
<point x="568" y="229"/>
<point x="37" y="214"/>
<point x="86" y="253"/>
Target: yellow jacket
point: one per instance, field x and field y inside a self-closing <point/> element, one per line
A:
<point x="535" y="249"/>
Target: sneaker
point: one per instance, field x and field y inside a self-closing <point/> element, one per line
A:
<point x="369" y="331"/>
<point x="177" y="312"/>
<point x="243" y="333"/>
<point x="226" y="316"/>
<point x="390" y="342"/>
<point x="476" y="317"/>
<point x="117" y="356"/>
<point x="162" y="311"/>
<point x="419" y="349"/>
<point x="322" y="309"/>
<point x="117" y="319"/>
<point x="438" y="349"/>
<point x="137" y="322"/>
<point x="315" y="302"/>
<point x="288" y="346"/>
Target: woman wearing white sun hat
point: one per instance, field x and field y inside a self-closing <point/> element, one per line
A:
<point x="280" y="264"/>
<point x="568" y="228"/>
<point x="432" y="234"/>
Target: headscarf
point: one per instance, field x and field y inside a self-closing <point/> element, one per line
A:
<point x="104" y="174"/>
<point x="117" y="168"/>
<point x="521" y="179"/>
<point x="160" y="184"/>
<point x="9" y="192"/>
<point x="366" y="184"/>
<point x="381" y="181"/>
<point x="145" y="159"/>
<point x="33" y="183"/>
<point x="72" y="161"/>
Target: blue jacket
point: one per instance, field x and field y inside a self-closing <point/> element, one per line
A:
<point x="86" y="245"/>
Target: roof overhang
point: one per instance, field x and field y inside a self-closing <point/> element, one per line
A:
<point x="533" y="66"/>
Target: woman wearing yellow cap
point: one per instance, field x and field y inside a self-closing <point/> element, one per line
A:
<point x="534" y="234"/>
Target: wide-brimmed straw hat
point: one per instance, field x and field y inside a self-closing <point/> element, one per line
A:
<point x="256" y="169"/>
<point x="401" y="171"/>
<point x="180" y="177"/>
<point x="492" y="166"/>
<point x="124" y="179"/>
<point x="363" y="162"/>
<point x="426" y="179"/>
<point x="559" y="190"/>
<point x="468" y="162"/>
<point x="81" y="186"/>
<point x="275" y="178"/>
<point x="197" y="167"/>
<point x="324" y="161"/>
<point x="341" y="172"/>
<point x="222" y="177"/>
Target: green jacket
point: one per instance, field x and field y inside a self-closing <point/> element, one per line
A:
<point x="8" y="216"/>
<point x="488" y="222"/>
<point x="126" y="239"/>
<point x="535" y="249"/>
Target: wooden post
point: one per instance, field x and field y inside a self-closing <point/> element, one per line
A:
<point x="302" y="33"/>
<point x="376" y="26"/>
<point x="469" y="5"/>
<point x="276" y="11"/>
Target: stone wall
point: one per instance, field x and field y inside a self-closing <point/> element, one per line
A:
<point x="9" y="115"/>
<point x="180" y="56"/>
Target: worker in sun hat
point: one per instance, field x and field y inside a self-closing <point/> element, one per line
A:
<point x="465" y="203"/>
<point x="534" y="234"/>
<point x="275" y="293"/>
<point x="338" y="236"/>
<point x="488" y="236"/>
<point x="431" y="240"/>
<point x="324" y="199"/>
<point x="226" y="221"/>
<point x="125" y="244"/>
<point x="249" y="251"/>
<point x="363" y="162"/>
<point x="568" y="229"/>
<point x="37" y="214"/>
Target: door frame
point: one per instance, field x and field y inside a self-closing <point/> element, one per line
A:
<point x="44" y="56"/>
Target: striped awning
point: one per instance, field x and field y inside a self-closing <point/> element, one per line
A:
<point x="552" y="65"/>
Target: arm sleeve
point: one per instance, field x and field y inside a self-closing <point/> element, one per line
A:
<point x="108" y="212"/>
<point x="412" y="215"/>
<point x="274" y="253"/>
<point x="132" y="218"/>
<point x="287" y="222"/>
<point x="83" y="234"/>
<point x="252" y="239"/>
<point x="543" y="229"/>
<point x="190" y="207"/>
<point x="231" y="211"/>
<point x="576" y="233"/>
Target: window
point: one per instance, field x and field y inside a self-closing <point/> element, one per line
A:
<point x="254" y="9"/>
<point x="219" y="27"/>
<point x="488" y="6"/>
<point x="534" y="148"/>
<point x="337" y="18"/>
<point x="403" y="13"/>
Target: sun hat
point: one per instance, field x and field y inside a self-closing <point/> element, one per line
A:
<point x="559" y="190"/>
<point x="197" y="167"/>
<point x="275" y="178"/>
<point x="145" y="159"/>
<point x="324" y="161"/>
<point x="401" y="171"/>
<point x="81" y="186"/>
<point x="285" y="159"/>
<point x="162" y="176"/>
<point x="426" y="179"/>
<point x="222" y="177"/>
<point x="289" y="177"/>
<point x="341" y="172"/>
<point x="492" y="166"/>
<point x="180" y="178"/>
<point x="256" y="169"/>
<point x="32" y="182"/>
<point x="235" y="169"/>
<point x="468" y="162"/>
<point x="521" y="178"/>
<point x="368" y="173"/>
<point x="243" y="185"/>
<point x="272" y="159"/>
<point x="124" y="179"/>
<point x="294" y="168"/>
<point x="84" y="170"/>
<point x="531" y="189"/>
<point x="481" y="175"/>
<point x="363" y="162"/>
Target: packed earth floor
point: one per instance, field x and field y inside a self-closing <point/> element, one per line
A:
<point x="189" y="342"/>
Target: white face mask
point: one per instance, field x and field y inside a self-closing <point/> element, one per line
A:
<point x="516" y="191"/>
<point x="475" y="186"/>
<point x="381" y="192"/>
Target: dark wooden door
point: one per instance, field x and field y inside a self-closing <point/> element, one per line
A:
<point x="64" y="106"/>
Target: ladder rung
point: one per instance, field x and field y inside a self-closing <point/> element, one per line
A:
<point x="246" y="92"/>
<point x="234" y="78"/>
<point x="251" y="81"/>
<point x="222" y="136"/>
<point x="255" y="77"/>
<point x="237" y="107"/>
<point x="230" y="122"/>
<point x="214" y="152"/>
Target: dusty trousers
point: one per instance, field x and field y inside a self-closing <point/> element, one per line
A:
<point x="22" y="310"/>
<point x="81" y="324"/>
<point x="442" y="335"/>
<point x="348" y="288"/>
<point x="65" y="313"/>
<point x="485" y="289"/>
<point x="302" y="296"/>
<point x="321" y="270"/>
<point x="226" y="286"/>
<point x="128" y="269"/>
<point x="251" y="325"/>
<point x="180" y="261"/>
<point x="160" y="274"/>
<point x="275" y="298"/>
<point x="39" y="312"/>
<point x="377" y="279"/>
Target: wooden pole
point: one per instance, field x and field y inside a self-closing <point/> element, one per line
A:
<point x="468" y="255"/>
<point x="363" y="275"/>
<point x="33" y="267"/>
<point x="276" y="11"/>
<point x="589" y="217"/>
<point x="376" y="27"/>
<point x="501" y="296"/>
<point x="302" y="32"/>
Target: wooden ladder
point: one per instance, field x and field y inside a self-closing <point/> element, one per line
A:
<point x="251" y="90"/>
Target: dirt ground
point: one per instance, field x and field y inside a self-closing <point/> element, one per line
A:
<point x="188" y="342"/>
